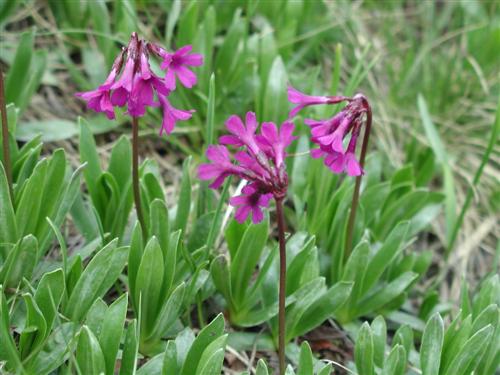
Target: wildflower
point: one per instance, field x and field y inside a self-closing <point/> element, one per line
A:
<point x="303" y="100"/>
<point x="138" y="87"/>
<point x="331" y="134"/>
<point x="259" y="160"/>
<point x="176" y="65"/>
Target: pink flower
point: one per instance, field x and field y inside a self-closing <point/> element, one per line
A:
<point x="331" y="133"/>
<point x="275" y="142"/>
<point x="241" y="134"/>
<point x="259" y="161"/>
<point x="302" y="100"/>
<point x="252" y="200"/>
<point x="176" y="65"/>
<point x="171" y="115"/>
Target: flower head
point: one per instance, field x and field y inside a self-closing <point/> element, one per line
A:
<point x="137" y="87"/>
<point x="332" y="134"/>
<point x="259" y="160"/>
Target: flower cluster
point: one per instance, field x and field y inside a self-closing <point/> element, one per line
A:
<point x="138" y="85"/>
<point x="330" y="134"/>
<point x="259" y="161"/>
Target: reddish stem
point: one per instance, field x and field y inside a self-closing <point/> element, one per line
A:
<point x="355" y="196"/>
<point x="282" y="285"/>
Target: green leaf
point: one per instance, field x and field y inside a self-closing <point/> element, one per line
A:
<point x="470" y="352"/>
<point x="169" y="312"/>
<point x="210" y="362"/>
<point x="148" y="285"/>
<point x="432" y="344"/>
<point x="111" y="331"/>
<point x="56" y="350"/>
<point x="8" y="351"/>
<point x="99" y="275"/>
<point x="275" y="99"/>
<point x="384" y="256"/>
<point x="379" y="330"/>
<point x="35" y="328"/>
<point x="248" y="254"/>
<point x="208" y="334"/>
<point x="363" y="350"/>
<point x="89" y="355"/>
<point x="159" y="224"/>
<point x="49" y="130"/>
<point x="20" y="262"/>
<point x="49" y="294"/>
<point x="8" y="228"/>
<point x="28" y="209"/>
<point x="170" y="359"/>
<point x="322" y="308"/>
<point x="261" y="368"/>
<point x="395" y="363"/>
<point x="184" y="202"/>
<point x="134" y="258"/>
<point x="88" y="154"/>
<point x="305" y="360"/>
<point x="219" y="270"/>
<point x="17" y="78"/>
<point x="130" y="348"/>
<point x="120" y="162"/>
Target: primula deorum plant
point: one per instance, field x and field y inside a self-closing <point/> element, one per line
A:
<point x="137" y="88"/>
<point x="260" y="162"/>
<point x="331" y="134"/>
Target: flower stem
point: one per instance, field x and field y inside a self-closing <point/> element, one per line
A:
<point x="135" y="172"/>
<point x="355" y="196"/>
<point x="5" y="137"/>
<point x="282" y="287"/>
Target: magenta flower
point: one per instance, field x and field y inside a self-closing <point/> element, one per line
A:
<point x="302" y="100"/>
<point x="259" y="160"/>
<point x="176" y="66"/>
<point x="252" y="200"/>
<point x="331" y="134"/>
<point x="138" y="87"/>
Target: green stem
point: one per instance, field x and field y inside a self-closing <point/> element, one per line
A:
<point x="355" y="196"/>
<point x="5" y="138"/>
<point x="282" y="286"/>
<point x="135" y="172"/>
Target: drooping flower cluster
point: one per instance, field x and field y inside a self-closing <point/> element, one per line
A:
<point x="138" y="85"/>
<point x="331" y="134"/>
<point x="259" y="161"/>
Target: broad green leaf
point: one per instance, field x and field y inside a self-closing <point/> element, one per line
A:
<point x="210" y="362"/>
<point x="208" y="334"/>
<point x="323" y="307"/>
<point x="28" y="208"/>
<point x="275" y="100"/>
<point x="471" y="351"/>
<point x="159" y="224"/>
<point x="111" y="331"/>
<point x="49" y="294"/>
<point x="134" y="258"/>
<point x="89" y="355"/>
<point x="432" y="343"/>
<point x="219" y="270"/>
<point x="395" y="363"/>
<point x="8" y="228"/>
<point x="120" y="162"/>
<point x="35" y="327"/>
<point x="248" y="254"/>
<point x="20" y="262"/>
<point x="261" y="368"/>
<point x="130" y="348"/>
<point x="56" y="350"/>
<point x="169" y="312"/>
<point x="379" y="330"/>
<point x="184" y="201"/>
<point x="170" y="365"/>
<point x="384" y="256"/>
<point x="363" y="350"/>
<point x="8" y="351"/>
<point x="17" y="78"/>
<point x="148" y="285"/>
<point x="305" y="360"/>
<point x="99" y="275"/>
<point x="88" y="154"/>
